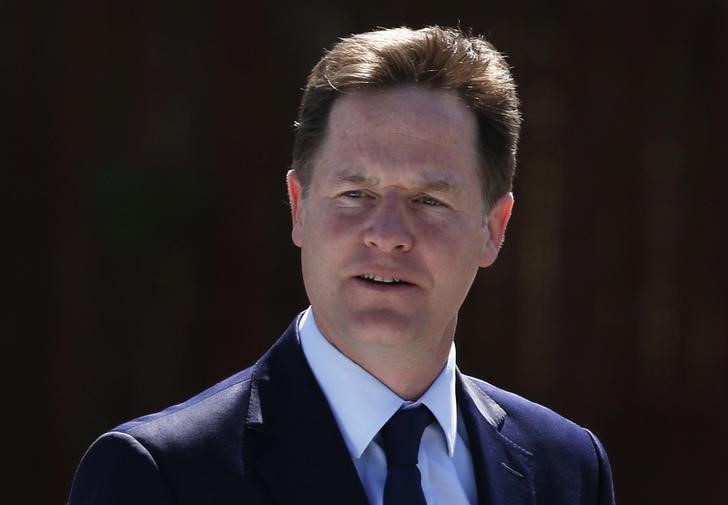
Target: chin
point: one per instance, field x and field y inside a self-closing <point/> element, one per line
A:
<point x="386" y="327"/>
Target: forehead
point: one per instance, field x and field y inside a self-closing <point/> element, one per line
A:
<point x="421" y="131"/>
<point x="424" y="114"/>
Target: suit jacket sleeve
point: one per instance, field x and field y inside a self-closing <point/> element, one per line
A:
<point x="604" y="486"/>
<point x="118" y="470"/>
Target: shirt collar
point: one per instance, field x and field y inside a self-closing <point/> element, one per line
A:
<point x="360" y="403"/>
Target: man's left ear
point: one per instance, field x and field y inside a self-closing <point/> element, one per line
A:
<point x="295" y="198"/>
<point x="498" y="218"/>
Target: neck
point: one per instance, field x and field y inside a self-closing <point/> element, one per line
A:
<point x="407" y="372"/>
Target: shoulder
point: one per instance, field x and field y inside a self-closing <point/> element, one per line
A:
<point x="112" y="462"/>
<point x="141" y="461"/>
<point x="558" y="446"/>
<point x="530" y="422"/>
<point x="211" y="408"/>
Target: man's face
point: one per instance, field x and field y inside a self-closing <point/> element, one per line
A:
<point x="393" y="226"/>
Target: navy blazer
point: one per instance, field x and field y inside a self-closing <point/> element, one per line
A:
<point x="267" y="436"/>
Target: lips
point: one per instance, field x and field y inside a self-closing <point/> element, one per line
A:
<point x="383" y="280"/>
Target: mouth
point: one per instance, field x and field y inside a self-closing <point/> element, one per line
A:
<point x="383" y="281"/>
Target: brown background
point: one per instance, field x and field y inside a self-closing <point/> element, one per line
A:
<point x="148" y="251"/>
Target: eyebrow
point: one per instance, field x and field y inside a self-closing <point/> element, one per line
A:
<point x="353" y="177"/>
<point x="427" y="184"/>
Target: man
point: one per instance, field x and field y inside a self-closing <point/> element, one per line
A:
<point x="400" y="191"/>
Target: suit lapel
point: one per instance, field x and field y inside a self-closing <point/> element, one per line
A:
<point x="503" y="470"/>
<point x="306" y="460"/>
<point x="302" y="458"/>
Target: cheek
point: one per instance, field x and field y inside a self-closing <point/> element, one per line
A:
<point x="328" y="237"/>
<point x="455" y="249"/>
<point x="336" y="224"/>
<point x="450" y="234"/>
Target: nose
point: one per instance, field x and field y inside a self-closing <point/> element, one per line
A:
<point x="388" y="229"/>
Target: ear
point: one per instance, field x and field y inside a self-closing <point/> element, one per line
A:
<point x="295" y="198"/>
<point x="497" y="222"/>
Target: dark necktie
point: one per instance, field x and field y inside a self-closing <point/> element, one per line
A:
<point x="401" y="436"/>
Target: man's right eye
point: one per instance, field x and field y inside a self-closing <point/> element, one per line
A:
<point x="353" y="194"/>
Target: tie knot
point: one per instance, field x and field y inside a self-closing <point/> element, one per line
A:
<point x="402" y="435"/>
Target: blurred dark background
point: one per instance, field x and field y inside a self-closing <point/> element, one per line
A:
<point x="148" y="247"/>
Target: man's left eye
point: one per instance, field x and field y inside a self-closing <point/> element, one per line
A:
<point x="428" y="200"/>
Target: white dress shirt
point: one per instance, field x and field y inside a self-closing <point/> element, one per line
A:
<point x="362" y="405"/>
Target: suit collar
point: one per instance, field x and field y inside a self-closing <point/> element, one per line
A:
<point x="504" y="471"/>
<point x="305" y="460"/>
<point x="339" y="377"/>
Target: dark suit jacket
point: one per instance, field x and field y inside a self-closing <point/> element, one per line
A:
<point x="267" y="436"/>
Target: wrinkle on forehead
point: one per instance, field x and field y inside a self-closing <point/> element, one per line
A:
<point x="417" y="104"/>
<point x="352" y="139"/>
<point x="423" y="181"/>
<point x="436" y="156"/>
<point x="402" y="117"/>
